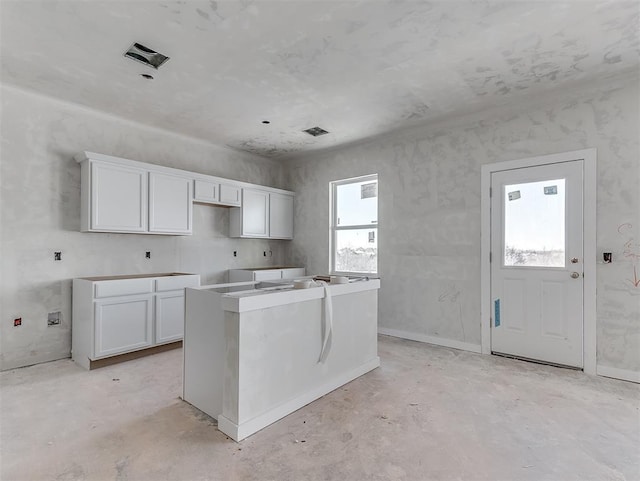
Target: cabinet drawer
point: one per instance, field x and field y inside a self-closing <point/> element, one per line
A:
<point x="293" y="272"/>
<point x="173" y="283"/>
<point x="267" y="275"/>
<point x="123" y="287"/>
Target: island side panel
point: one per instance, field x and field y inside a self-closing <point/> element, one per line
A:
<point x="231" y="384"/>
<point x="279" y="348"/>
<point x="203" y="348"/>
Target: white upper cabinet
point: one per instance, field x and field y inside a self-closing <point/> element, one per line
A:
<point x="205" y="191"/>
<point x="170" y="207"/>
<point x="212" y="191"/>
<point x="252" y="219"/>
<point x="280" y="216"/>
<point x="122" y="195"/>
<point x="230" y="195"/>
<point x="263" y="214"/>
<point x="118" y="198"/>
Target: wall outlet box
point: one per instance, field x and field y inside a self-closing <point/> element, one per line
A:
<point x="54" y="318"/>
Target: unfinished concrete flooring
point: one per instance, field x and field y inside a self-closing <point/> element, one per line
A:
<point x="428" y="413"/>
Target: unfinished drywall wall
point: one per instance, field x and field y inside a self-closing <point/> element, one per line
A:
<point x="40" y="212"/>
<point x="429" y="210"/>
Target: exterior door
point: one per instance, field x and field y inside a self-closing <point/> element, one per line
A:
<point x="537" y="263"/>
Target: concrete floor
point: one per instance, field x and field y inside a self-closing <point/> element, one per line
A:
<point x="428" y="413"/>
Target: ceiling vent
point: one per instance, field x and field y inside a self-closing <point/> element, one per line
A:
<point x="145" y="55"/>
<point x="316" y="131"/>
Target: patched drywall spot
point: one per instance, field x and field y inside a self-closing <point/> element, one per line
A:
<point x="203" y="14"/>
<point x="630" y="254"/>
<point x="610" y="58"/>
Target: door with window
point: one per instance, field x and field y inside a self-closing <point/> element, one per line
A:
<point x="537" y="263"/>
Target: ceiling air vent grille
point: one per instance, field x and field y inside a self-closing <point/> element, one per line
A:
<point x="145" y="55"/>
<point x="316" y="131"/>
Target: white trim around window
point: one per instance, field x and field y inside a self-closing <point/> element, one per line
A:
<point x="334" y="228"/>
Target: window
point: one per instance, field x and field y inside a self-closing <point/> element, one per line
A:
<point x="354" y="225"/>
<point x="534" y="224"/>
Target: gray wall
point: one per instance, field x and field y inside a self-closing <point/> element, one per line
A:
<point x="429" y="201"/>
<point x="40" y="214"/>
<point x="429" y="212"/>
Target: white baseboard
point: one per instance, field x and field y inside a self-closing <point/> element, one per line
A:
<point x="239" y="432"/>
<point x="438" y="341"/>
<point x="615" y="373"/>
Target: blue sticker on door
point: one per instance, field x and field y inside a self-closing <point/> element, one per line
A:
<point x="496" y="312"/>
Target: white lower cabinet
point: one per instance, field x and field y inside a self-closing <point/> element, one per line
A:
<point x="121" y="314"/>
<point x="169" y="316"/>
<point x="123" y="324"/>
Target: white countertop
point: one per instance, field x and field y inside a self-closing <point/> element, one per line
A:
<point x="252" y="299"/>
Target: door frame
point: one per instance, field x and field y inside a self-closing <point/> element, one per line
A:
<point x="588" y="157"/>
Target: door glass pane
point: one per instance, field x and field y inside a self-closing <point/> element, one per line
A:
<point x="357" y="250"/>
<point x="357" y="203"/>
<point x="534" y="224"/>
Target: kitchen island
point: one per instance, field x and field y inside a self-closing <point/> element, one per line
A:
<point x="253" y="355"/>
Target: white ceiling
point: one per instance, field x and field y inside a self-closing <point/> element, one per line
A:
<point x="356" y="68"/>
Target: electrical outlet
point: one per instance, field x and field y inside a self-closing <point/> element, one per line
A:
<point x="54" y="318"/>
<point x="148" y="254"/>
<point x="17" y="322"/>
<point x="57" y="256"/>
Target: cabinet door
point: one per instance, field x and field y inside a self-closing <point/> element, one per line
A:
<point x="230" y="194"/>
<point x="280" y="216"/>
<point x="122" y="324"/>
<point x="170" y="207"/>
<point x="118" y="198"/>
<point x="169" y="316"/>
<point x="205" y="191"/>
<point x="255" y="213"/>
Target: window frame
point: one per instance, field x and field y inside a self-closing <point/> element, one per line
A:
<point x="334" y="228"/>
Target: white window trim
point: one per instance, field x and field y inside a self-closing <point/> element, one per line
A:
<point x="335" y="228"/>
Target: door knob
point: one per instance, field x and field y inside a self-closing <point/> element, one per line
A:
<point x="575" y="275"/>
<point x="574" y="260"/>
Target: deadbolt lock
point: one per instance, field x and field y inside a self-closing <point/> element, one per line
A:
<point x="574" y="260"/>
<point x="575" y="275"/>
